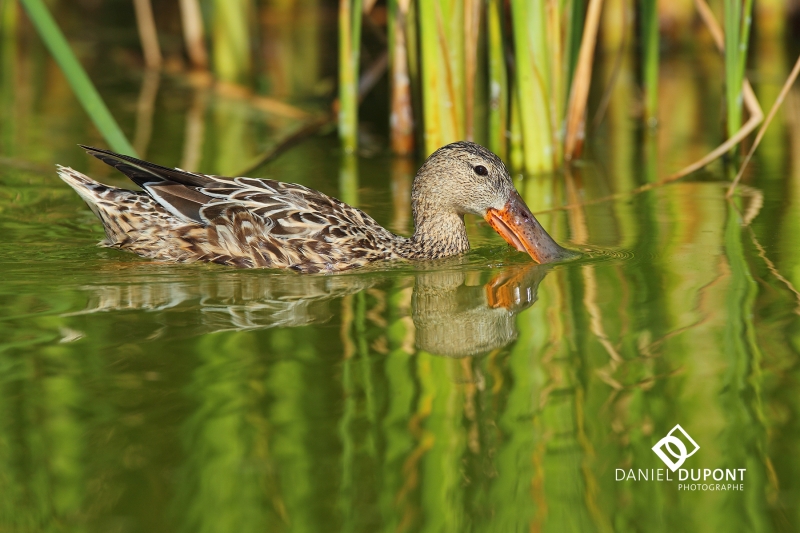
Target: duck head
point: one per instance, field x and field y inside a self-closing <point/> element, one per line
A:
<point x="464" y="177"/>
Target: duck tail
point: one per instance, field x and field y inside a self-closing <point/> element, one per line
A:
<point x="103" y="200"/>
<point x="88" y="189"/>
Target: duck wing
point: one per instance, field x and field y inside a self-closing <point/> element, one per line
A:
<point x="176" y="190"/>
<point x="142" y="172"/>
<point x="293" y="223"/>
<point x="292" y="209"/>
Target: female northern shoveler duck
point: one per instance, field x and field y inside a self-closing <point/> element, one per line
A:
<point x="259" y="223"/>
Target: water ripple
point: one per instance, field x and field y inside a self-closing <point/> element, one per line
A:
<point x="595" y="254"/>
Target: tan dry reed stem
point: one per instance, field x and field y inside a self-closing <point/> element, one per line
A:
<point x="350" y="13"/>
<point x="236" y="91"/>
<point x="368" y="5"/>
<point x="194" y="33"/>
<point x="148" y="34"/>
<point x="579" y="94"/>
<point x="294" y="138"/>
<point x="145" y="109"/>
<point x="401" y="121"/>
<point x="372" y="75"/>
<point x="472" y="21"/>
<point x="784" y="91"/>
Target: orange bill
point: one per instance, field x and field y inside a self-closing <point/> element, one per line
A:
<point x="517" y="225"/>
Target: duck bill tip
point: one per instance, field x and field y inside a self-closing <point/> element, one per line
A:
<point x="517" y="225"/>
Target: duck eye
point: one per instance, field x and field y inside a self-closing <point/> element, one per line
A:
<point x="480" y="170"/>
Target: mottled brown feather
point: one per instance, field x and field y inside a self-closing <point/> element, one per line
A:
<point x="246" y="222"/>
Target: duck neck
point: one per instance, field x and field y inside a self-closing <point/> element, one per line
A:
<point x="438" y="235"/>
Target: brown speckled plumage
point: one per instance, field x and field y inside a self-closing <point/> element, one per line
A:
<point x="253" y="223"/>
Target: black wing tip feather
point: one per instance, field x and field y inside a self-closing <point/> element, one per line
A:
<point x="141" y="171"/>
<point x="99" y="153"/>
<point x="91" y="148"/>
<point x="112" y="158"/>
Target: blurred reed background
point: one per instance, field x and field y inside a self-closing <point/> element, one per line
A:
<point x="519" y="76"/>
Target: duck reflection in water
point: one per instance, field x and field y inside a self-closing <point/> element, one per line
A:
<point x="454" y="313"/>
<point x="455" y="319"/>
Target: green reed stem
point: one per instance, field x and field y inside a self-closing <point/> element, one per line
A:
<point x="452" y="38"/>
<point x="349" y="56"/>
<point x="498" y="80"/>
<point x="442" y="35"/>
<point x="532" y="82"/>
<point x="348" y="179"/>
<point x="516" y="152"/>
<point x="576" y="11"/>
<point x="744" y="35"/>
<point x="737" y="34"/>
<point x="432" y="76"/>
<point x="649" y="39"/>
<point x="472" y="15"/>
<point x="733" y="86"/>
<point x="231" y="33"/>
<point x="78" y="79"/>
<point x="552" y="54"/>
